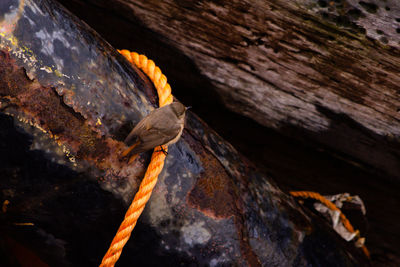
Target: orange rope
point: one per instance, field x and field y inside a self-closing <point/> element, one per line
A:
<point x="331" y="206"/>
<point x="154" y="168"/>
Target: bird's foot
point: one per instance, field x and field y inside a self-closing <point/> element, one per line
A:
<point x="162" y="150"/>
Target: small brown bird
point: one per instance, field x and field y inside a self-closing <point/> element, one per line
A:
<point x="162" y="126"/>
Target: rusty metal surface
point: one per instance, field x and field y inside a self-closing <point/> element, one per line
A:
<point x="67" y="100"/>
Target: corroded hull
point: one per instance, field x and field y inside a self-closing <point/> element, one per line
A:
<point x="68" y="100"/>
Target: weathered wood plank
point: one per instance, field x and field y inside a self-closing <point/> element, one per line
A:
<point x="326" y="71"/>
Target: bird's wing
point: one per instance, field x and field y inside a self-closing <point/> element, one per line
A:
<point x="153" y="118"/>
<point x="139" y="128"/>
<point x="154" y="137"/>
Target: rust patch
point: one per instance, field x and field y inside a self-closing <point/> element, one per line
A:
<point x="213" y="192"/>
<point x="45" y="109"/>
<point x="214" y="195"/>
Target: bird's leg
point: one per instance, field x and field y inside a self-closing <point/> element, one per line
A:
<point x="132" y="159"/>
<point x="129" y="149"/>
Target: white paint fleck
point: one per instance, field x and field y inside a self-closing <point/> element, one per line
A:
<point x="31" y="22"/>
<point x="300" y="236"/>
<point x="219" y="261"/>
<point x="48" y="70"/>
<point x="47" y="44"/>
<point x="158" y="209"/>
<point x="60" y="35"/>
<point x="214" y="262"/>
<point x="195" y="234"/>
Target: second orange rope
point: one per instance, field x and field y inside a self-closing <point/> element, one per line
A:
<point x="331" y="206"/>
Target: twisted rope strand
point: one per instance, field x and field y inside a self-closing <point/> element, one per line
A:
<point x="154" y="73"/>
<point x="153" y="170"/>
<point x="331" y="206"/>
